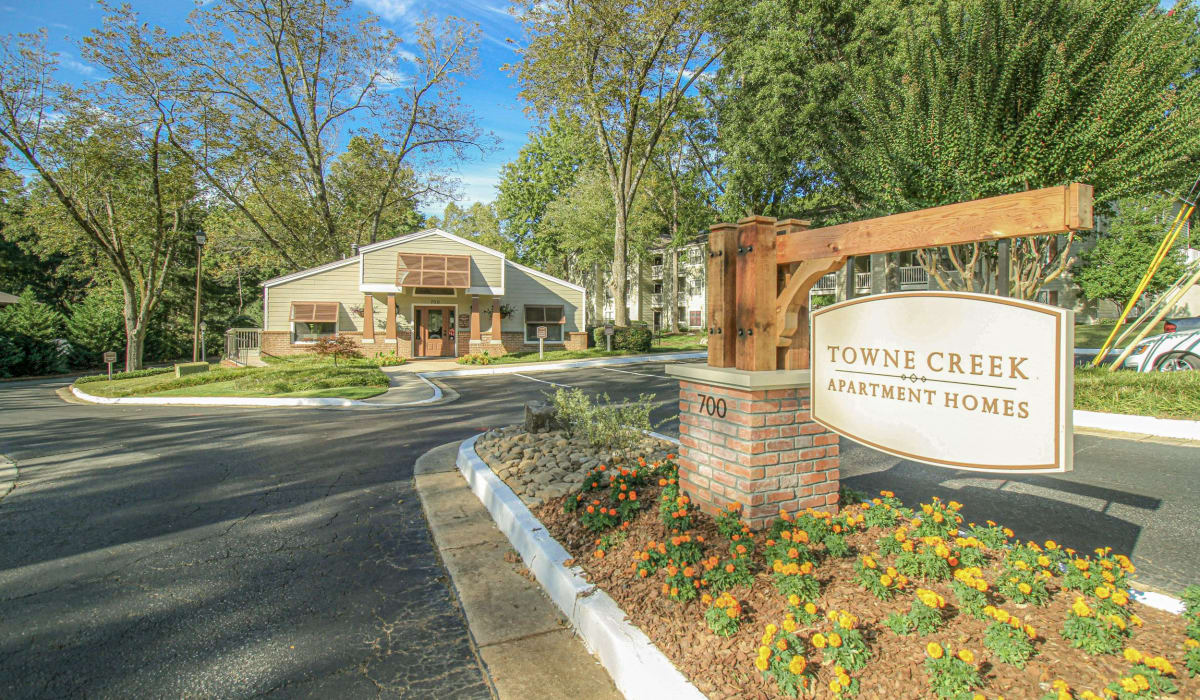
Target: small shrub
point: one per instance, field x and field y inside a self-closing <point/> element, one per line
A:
<point x="924" y="616"/>
<point x="950" y="675"/>
<point x="844" y="646"/>
<point x="475" y="358"/>
<point x="880" y="583"/>
<point x="635" y="338"/>
<point x="124" y="375"/>
<point x="1147" y="678"/>
<point x="1010" y="641"/>
<point x="782" y="657"/>
<point x="339" y="346"/>
<point x="1092" y="632"/>
<point x="615" y="426"/>
<point x="723" y="615"/>
<point x="389" y="359"/>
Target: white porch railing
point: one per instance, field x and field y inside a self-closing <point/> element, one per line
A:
<point x="656" y="299"/>
<point x="828" y="283"/>
<point x="862" y="281"/>
<point x="656" y="272"/>
<point x="913" y="275"/>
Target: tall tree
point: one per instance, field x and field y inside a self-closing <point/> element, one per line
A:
<point x="257" y="95"/>
<point x="545" y="169"/>
<point x="998" y="96"/>
<point x="109" y="185"/>
<point x="478" y="223"/>
<point x="623" y="67"/>
<point x="1113" y="267"/>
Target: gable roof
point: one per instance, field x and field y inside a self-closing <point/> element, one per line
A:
<point x="310" y="271"/>
<point x="425" y="234"/>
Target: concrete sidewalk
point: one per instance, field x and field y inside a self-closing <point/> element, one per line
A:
<point x="528" y="649"/>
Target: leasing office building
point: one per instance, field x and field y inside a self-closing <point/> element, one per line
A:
<point x="425" y="294"/>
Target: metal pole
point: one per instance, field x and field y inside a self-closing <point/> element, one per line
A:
<point x="196" y="320"/>
<point x="1003" y="255"/>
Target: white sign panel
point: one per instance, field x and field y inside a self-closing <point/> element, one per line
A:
<point x="959" y="380"/>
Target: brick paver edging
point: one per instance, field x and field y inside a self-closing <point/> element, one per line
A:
<point x="637" y="667"/>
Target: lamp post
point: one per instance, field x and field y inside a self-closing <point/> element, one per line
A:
<point x="200" y="238"/>
<point x="203" y="351"/>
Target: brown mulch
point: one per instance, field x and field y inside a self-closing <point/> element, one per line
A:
<point x="724" y="667"/>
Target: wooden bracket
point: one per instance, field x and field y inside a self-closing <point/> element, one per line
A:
<point x="791" y="311"/>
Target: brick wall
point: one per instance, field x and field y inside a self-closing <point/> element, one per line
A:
<point x="280" y="343"/>
<point x="764" y="453"/>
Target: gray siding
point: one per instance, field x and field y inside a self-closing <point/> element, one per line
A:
<point x="522" y="288"/>
<point x="340" y="285"/>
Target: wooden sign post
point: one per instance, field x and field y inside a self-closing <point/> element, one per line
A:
<point x="110" y="357"/>
<point x="542" y="332"/>
<point x="765" y="452"/>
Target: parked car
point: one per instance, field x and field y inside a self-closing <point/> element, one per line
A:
<point x="1169" y="352"/>
<point x="1171" y="325"/>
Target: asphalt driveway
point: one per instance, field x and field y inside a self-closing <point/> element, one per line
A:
<point x="168" y="551"/>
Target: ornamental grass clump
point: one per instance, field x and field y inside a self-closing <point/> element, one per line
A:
<point x="1009" y="639"/>
<point x="781" y="657"/>
<point x="950" y="675"/>
<point x="1093" y="632"/>
<point x="723" y="614"/>
<point x="924" y="616"/>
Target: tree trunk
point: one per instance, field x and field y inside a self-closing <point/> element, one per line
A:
<point x="672" y="299"/>
<point x="597" y="294"/>
<point x="619" y="282"/>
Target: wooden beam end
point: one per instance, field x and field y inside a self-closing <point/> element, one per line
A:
<point x="1079" y="207"/>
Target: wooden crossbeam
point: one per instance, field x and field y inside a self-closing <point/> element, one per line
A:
<point x="1037" y="212"/>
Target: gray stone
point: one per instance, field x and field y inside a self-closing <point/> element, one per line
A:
<point x="539" y="417"/>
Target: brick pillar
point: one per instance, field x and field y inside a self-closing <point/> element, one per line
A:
<point x="369" y="318"/>
<point x="765" y="453"/>
<point x="390" y="327"/>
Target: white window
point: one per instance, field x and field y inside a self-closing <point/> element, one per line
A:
<point x="313" y="320"/>
<point x="551" y="317"/>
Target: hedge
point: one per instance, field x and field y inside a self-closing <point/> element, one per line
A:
<point x="636" y="338"/>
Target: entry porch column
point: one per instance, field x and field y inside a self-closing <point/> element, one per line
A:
<point x="368" y="319"/>
<point x="390" y="328"/>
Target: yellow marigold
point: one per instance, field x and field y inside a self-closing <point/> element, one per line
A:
<point x="885" y="580"/>
<point x="781" y="644"/>
<point x="1024" y="588"/>
<point x="847" y="621"/>
<point x="934" y="649"/>
<point x="1043" y="561"/>
<point x="966" y="656"/>
<point x="1129" y="685"/>
<point x="810" y="608"/>
<point x="797" y="665"/>
<point x="760" y="663"/>
<point x="732" y="612"/>
<point x="1030" y="632"/>
<point x="1081" y="564"/>
<point x="818" y="640"/>
<point x="868" y="562"/>
<point x="835" y="640"/>
<point x="1050" y="544"/>
<point x="1081" y="608"/>
<point x="793" y="600"/>
<point x="1002" y="616"/>
<point x="764" y="652"/>
<point x="835" y="686"/>
<point x="789" y="625"/>
<point x="1137" y="621"/>
<point x="1191" y="643"/>
<point x="1102" y="592"/>
<point x="706" y="599"/>
<point x="771" y="628"/>
<point x="981" y="585"/>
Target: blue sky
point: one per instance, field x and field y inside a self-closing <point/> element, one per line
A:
<point x="492" y="94"/>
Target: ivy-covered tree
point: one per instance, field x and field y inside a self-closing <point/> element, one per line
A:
<point x="999" y="96"/>
<point x="1112" y="269"/>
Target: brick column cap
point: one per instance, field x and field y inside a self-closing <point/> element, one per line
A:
<point x="746" y="380"/>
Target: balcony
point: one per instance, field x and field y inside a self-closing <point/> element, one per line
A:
<point x="862" y="281"/>
<point x="826" y="284"/>
<point x="656" y="272"/>
<point x="913" y="277"/>
<point x="656" y="299"/>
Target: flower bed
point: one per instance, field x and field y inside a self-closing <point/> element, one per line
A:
<point x="879" y="601"/>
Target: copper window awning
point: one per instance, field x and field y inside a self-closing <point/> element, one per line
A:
<point x="315" y="311"/>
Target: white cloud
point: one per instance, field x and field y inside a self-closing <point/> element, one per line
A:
<point x="393" y="80"/>
<point x="76" y="65"/>
<point x="391" y="10"/>
<point x="406" y="55"/>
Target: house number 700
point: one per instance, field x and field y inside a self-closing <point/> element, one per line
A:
<point x="712" y="405"/>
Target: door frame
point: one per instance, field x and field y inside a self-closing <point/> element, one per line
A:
<point x="412" y="313"/>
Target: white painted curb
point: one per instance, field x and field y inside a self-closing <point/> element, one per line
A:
<point x="526" y="367"/>
<point x="232" y="401"/>
<point x="637" y="667"/>
<point x="1146" y="425"/>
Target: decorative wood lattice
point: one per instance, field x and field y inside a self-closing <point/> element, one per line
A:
<point x="315" y="311"/>
<point x="432" y="270"/>
<point x="760" y="270"/>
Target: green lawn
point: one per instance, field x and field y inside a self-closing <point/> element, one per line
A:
<point x="301" y="376"/>
<point x="1158" y="394"/>
<point x="1092" y="335"/>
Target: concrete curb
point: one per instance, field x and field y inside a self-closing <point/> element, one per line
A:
<point x="1144" y="425"/>
<point x="231" y="401"/>
<point x="525" y="367"/>
<point x="637" y="667"/>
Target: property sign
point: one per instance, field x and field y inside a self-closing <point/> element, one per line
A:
<point x="958" y="380"/>
<point x="110" y="356"/>
<point x="609" y="330"/>
<point x="542" y="332"/>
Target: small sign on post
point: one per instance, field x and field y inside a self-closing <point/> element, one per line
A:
<point x="608" y="334"/>
<point x="110" y="357"/>
<point x="542" y="332"/>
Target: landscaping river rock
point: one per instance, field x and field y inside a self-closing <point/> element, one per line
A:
<point x="541" y="466"/>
